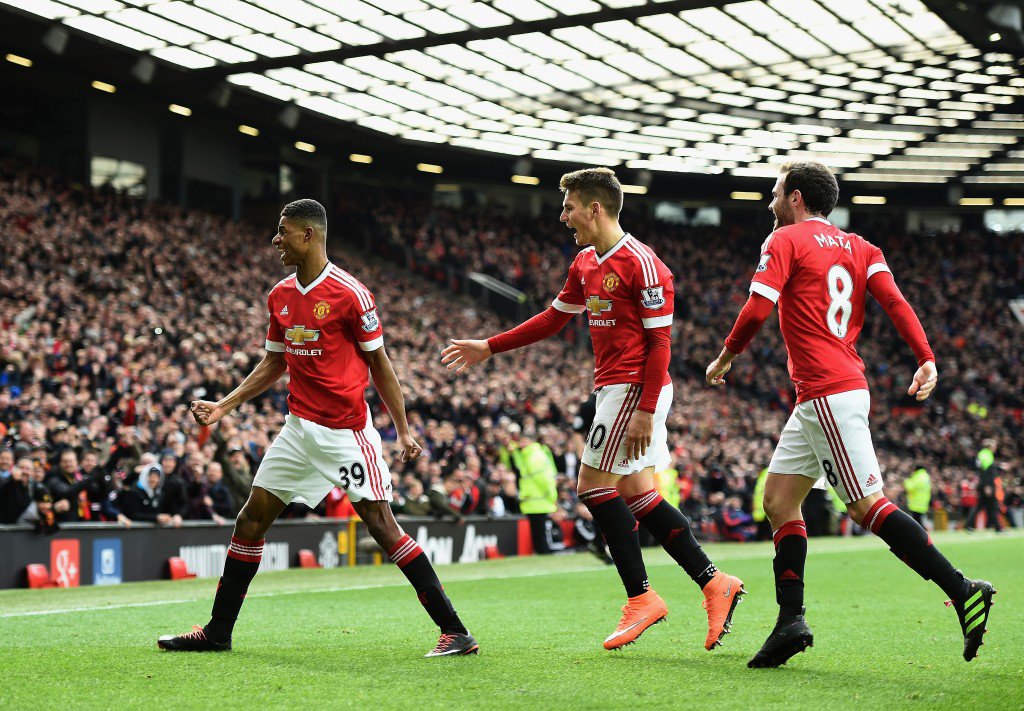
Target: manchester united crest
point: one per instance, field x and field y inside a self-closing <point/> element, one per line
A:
<point x="321" y="309"/>
<point x="611" y="282"/>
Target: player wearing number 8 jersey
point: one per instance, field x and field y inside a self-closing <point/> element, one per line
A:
<point x="820" y="276"/>
<point x="324" y="330"/>
<point x="628" y="295"/>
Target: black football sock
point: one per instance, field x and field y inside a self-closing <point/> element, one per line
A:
<point x="619" y="528"/>
<point x="912" y="544"/>
<point x="239" y="569"/>
<point x="790" y="557"/>
<point x="412" y="561"/>
<point x="671" y="529"/>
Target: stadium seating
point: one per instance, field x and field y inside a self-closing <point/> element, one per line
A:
<point x="115" y="314"/>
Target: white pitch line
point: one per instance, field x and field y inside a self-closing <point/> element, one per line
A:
<point x="859" y="548"/>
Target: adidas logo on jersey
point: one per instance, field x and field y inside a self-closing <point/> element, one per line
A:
<point x="872" y="480"/>
<point x="284" y="311"/>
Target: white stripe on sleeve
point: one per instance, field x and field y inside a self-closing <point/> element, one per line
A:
<point x="657" y="321"/>
<point x="878" y="267"/>
<point x="568" y="308"/>
<point x="765" y="291"/>
<point x="274" y="347"/>
<point x="372" y="345"/>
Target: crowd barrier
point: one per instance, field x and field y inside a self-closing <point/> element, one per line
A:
<point x="107" y="554"/>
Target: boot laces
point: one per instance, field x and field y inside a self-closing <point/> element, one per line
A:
<point x="444" y="642"/>
<point x="197" y="633"/>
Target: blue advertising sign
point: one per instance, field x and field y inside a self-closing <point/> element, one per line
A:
<point x="106" y="561"/>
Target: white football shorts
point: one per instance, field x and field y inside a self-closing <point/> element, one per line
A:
<point x="307" y="460"/>
<point x="605" y="449"/>
<point x="828" y="439"/>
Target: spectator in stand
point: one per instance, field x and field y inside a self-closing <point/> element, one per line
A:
<point x="220" y="500"/>
<point x="446" y="496"/>
<point x="40" y="513"/>
<point x="174" y="503"/>
<point x="238" y="472"/>
<point x="141" y="498"/>
<point x="6" y="463"/>
<point x="68" y="488"/>
<point x="414" y="502"/>
<point x="95" y="285"/>
<point x="734" y="523"/>
<point x="16" y="492"/>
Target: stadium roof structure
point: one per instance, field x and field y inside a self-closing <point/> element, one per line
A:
<point x="884" y="91"/>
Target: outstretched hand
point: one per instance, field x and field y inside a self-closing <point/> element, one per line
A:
<point x="925" y="379"/>
<point x="460" y="355"/>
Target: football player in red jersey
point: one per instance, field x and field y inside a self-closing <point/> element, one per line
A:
<point x="628" y="295"/>
<point x="325" y="332"/>
<point x="820" y="277"/>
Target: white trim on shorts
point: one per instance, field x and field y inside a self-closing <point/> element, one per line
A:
<point x="829" y="438"/>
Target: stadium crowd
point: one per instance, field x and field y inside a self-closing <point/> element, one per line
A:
<point x="115" y="314"/>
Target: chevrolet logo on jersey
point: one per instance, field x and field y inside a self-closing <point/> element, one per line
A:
<point x="597" y="306"/>
<point x="300" y="334"/>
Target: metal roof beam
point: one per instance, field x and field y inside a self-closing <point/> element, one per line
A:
<point x="461" y="38"/>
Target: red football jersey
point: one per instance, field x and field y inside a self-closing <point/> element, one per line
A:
<point x="319" y="327"/>
<point x="624" y="291"/>
<point x="818" y="275"/>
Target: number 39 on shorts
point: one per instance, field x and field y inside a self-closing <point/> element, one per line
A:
<point x="352" y="475"/>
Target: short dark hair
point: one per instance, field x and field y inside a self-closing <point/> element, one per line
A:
<point x="309" y="211"/>
<point x="592" y="184"/>
<point x="816" y="184"/>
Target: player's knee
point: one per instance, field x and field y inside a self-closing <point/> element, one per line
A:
<point x="379" y="522"/>
<point x="778" y="509"/>
<point x="252" y="521"/>
<point x="248" y="526"/>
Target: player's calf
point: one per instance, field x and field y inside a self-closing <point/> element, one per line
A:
<point x="912" y="544"/>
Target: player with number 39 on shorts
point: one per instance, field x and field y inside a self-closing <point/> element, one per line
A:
<point x="325" y="332"/>
<point x="820" y="277"/>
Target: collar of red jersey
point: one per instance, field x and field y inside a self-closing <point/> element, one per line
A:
<point x="818" y="219"/>
<point x="316" y="282"/>
<point x="615" y="248"/>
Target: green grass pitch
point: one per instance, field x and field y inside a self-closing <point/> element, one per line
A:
<point x="355" y="637"/>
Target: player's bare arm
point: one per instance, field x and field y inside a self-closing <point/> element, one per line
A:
<point x="390" y="391"/>
<point x="462" y="354"/>
<point x="267" y="372"/>
<point x="925" y="380"/>
<point x="715" y="373"/>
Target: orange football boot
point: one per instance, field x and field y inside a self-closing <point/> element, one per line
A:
<point x="638" y="614"/>
<point x="721" y="596"/>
